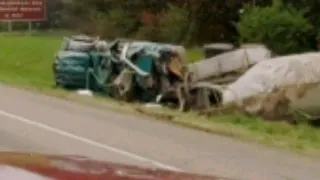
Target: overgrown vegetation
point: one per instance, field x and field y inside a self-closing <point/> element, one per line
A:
<point x="189" y="22"/>
<point x="282" y="28"/>
<point x="281" y="24"/>
<point x="26" y="62"/>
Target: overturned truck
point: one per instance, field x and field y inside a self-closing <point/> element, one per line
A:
<point x="151" y="72"/>
<point x="128" y="70"/>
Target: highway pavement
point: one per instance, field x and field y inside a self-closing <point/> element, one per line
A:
<point x="38" y="123"/>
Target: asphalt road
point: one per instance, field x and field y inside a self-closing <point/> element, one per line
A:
<point x="36" y="123"/>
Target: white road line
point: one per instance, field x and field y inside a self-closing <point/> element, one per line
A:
<point x="87" y="141"/>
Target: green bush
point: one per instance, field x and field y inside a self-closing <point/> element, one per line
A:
<point x="112" y="24"/>
<point x="3" y="26"/>
<point x="122" y="21"/>
<point x="281" y="28"/>
<point x="148" y="26"/>
<point x="174" y="24"/>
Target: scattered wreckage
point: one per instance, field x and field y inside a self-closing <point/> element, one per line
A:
<point x="154" y="72"/>
<point x="275" y="87"/>
<point x="129" y="70"/>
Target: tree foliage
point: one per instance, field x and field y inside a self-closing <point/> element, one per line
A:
<point x="283" y="28"/>
<point x="192" y="21"/>
<point x="207" y="20"/>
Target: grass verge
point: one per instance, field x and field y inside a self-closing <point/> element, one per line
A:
<point x="25" y="61"/>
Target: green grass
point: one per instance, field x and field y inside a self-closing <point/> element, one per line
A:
<point x="25" y="61"/>
<point x="195" y="54"/>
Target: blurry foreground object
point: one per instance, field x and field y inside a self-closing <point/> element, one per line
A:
<point x="27" y="166"/>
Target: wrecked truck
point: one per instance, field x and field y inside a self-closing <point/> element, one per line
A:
<point x="152" y="72"/>
<point x="127" y="70"/>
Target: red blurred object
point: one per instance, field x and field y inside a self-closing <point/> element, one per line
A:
<point x="26" y="166"/>
<point x="22" y="10"/>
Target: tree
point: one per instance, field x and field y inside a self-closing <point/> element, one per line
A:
<point x="283" y="28"/>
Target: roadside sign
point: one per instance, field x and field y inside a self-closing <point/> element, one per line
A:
<point x="23" y="10"/>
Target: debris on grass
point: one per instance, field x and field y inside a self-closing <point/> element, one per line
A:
<point x="247" y="77"/>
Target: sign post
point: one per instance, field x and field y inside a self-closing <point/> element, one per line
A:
<point x="22" y="11"/>
<point x="30" y="27"/>
<point x="9" y="26"/>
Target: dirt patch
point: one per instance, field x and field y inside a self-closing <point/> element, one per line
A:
<point x="154" y="115"/>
